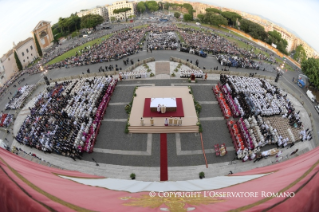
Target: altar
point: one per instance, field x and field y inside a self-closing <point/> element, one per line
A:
<point x="169" y="103"/>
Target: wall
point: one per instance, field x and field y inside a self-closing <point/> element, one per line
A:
<point x="29" y="54"/>
<point x="45" y="41"/>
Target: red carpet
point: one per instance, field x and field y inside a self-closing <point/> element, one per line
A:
<point x="164" y="167"/>
<point x="178" y="113"/>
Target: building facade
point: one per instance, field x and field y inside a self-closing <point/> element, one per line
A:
<point x="9" y="65"/>
<point x="44" y="35"/>
<point x="102" y="11"/>
<point x="27" y="53"/>
<point x="2" y="74"/>
<point x="119" y="5"/>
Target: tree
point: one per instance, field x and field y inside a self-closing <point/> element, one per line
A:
<point x="213" y="10"/>
<point x="188" y="17"/>
<point x="152" y="6"/>
<point x="253" y="29"/>
<point x="113" y="19"/>
<point x="177" y="15"/>
<point x="38" y="46"/>
<point x="231" y="17"/>
<point x="55" y="40"/>
<point x="300" y="54"/>
<point x="141" y="7"/>
<point x="218" y="20"/>
<point x="310" y="68"/>
<point x="131" y="16"/>
<point x="91" y="21"/>
<point x="122" y="10"/>
<point x="18" y="61"/>
<point x="166" y="5"/>
<point x="201" y="17"/>
<point x="189" y="9"/>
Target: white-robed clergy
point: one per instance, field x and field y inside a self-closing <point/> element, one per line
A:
<point x="166" y="122"/>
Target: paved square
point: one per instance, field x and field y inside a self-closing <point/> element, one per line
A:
<point x="162" y="68"/>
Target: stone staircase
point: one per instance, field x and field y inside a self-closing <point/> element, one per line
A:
<point x="163" y="129"/>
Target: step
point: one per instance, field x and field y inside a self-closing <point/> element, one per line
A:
<point x="163" y="129"/>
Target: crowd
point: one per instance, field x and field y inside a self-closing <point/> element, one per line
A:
<point x="266" y="116"/>
<point x="6" y="120"/>
<point x="120" y="44"/>
<point x="66" y="117"/>
<point x="162" y="41"/>
<point x="18" y="99"/>
<point x="187" y="72"/>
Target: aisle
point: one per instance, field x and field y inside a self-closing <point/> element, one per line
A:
<point x="164" y="168"/>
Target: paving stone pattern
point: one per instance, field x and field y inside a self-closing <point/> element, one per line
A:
<point x="162" y="68"/>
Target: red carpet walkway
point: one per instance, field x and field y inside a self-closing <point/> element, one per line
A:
<point x="164" y="167"/>
<point x="178" y="113"/>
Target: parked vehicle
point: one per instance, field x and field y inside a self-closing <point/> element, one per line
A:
<point x="317" y="108"/>
<point x="200" y="53"/>
<point x="197" y="23"/>
<point x="311" y="96"/>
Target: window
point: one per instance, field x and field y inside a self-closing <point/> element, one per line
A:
<point x="31" y="47"/>
<point x="22" y="53"/>
<point x="27" y="50"/>
<point x="23" y="60"/>
<point x="31" y="55"/>
<point x="27" y="57"/>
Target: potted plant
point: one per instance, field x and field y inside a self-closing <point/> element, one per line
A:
<point x="201" y="175"/>
<point x="132" y="176"/>
<point x="173" y="74"/>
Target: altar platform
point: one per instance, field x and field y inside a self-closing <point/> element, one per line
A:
<point x="179" y="92"/>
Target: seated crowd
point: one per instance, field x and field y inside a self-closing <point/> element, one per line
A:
<point x="64" y="119"/>
<point x="162" y="41"/>
<point x="260" y="105"/>
<point x="18" y="100"/>
<point x="6" y="120"/>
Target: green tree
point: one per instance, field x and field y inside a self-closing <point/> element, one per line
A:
<point x="113" y="19"/>
<point x="152" y="6"/>
<point x="166" y="5"/>
<point x="189" y="9"/>
<point x="231" y="17"/>
<point x="122" y="10"/>
<point x="38" y="46"/>
<point x="253" y="29"/>
<point x="213" y="10"/>
<point x="310" y="68"/>
<point x="91" y="21"/>
<point x="300" y="54"/>
<point x="201" y="17"/>
<point x="131" y="16"/>
<point x="141" y="7"/>
<point x="188" y="17"/>
<point x="274" y="36"/>
<point x="18" y="61"/>
<point x="177" y="15"/>
<point x="55" y="40"/>
<point x="218" y="20"/>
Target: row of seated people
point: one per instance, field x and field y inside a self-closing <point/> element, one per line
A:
<point x="18" y="100"/>
<point x="62" y="114"/>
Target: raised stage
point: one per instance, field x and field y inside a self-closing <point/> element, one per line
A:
<point x="185" y="109"/>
